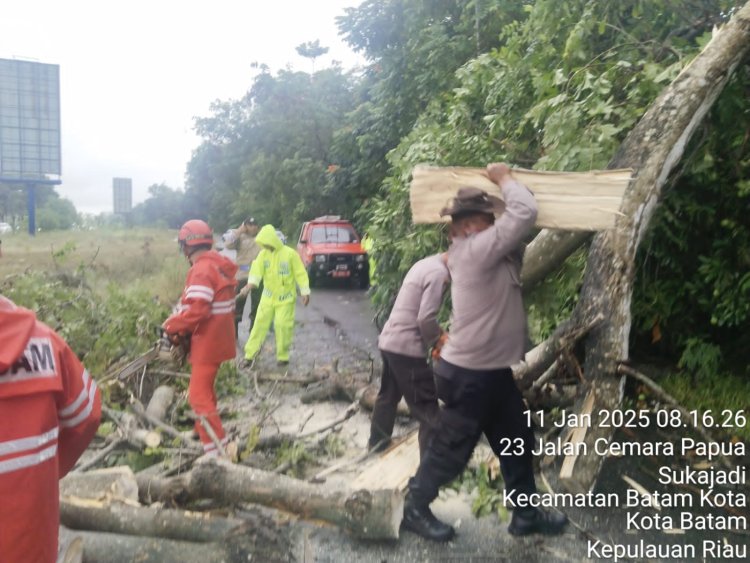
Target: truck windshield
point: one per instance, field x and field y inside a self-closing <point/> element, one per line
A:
<point x="332" y="234"/>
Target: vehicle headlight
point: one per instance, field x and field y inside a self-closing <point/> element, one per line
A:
<point x="360" y="257"/>
<point x="320" y="258"/>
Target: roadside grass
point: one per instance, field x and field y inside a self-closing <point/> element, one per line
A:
<point x="129" y="258"/>
<point x="106" y="291"/>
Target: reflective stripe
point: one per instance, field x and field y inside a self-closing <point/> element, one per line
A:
<point x="199" y="292"/>
<point x="73" y="407"/>
<point x="221" y="307"/>
<point x="222" y="310"/>
<point x="29" y="443"/>
<point x="84" y="413"/>
<point x="16" y="463"/>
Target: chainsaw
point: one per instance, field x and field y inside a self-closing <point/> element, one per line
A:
<point x="175" y="347"/>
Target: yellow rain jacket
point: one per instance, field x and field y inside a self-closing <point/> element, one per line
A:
<point x="281" y="270"/>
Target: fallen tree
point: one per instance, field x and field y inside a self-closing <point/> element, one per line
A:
<point x="652" y="149"/>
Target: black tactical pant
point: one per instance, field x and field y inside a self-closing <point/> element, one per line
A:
<point x="412" y="379"/>
<point x="476" y="402"/>
<point x="239" y="304"/>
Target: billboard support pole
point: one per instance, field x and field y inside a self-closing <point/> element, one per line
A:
<point x="31" y="206"/>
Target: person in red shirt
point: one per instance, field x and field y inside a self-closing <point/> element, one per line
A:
<point x="50" y="409"/>
<point x="205" y="316"/>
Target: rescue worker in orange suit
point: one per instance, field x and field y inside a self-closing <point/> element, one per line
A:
<point x="205" y="316"/>
<point x="49" y="411"/>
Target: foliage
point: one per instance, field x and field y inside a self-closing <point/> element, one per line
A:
<point x="296" y="455"/>
<point x="415" y="48"/>
<point x="56" y="214"/>
<point x="268" y="154"/>
<point x="716" y="393"/>
<point x="692" y="294"/>
<point x="486" y="488"/>
<point x="99" y="328"/>
<point x="333" y="446"/>
<point x="164" y="207"/>
<point x="229" y="381"/>
<point x="559" y="90"/>
<point x="555" y="297"/>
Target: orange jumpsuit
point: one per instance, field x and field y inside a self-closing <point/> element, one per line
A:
<point x="49" y="410"/>
<point x="206" y="312"/>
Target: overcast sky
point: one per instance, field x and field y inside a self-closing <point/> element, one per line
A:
<point x="134" y="74"/>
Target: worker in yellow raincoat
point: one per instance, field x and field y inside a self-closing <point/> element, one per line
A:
<point x="367" y="244"/>
<point x="282" y="272"/>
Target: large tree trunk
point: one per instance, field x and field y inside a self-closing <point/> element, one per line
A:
<point x="365" y="514"/>
<point x="547" y="252"/>
<point x="652" y="149"/>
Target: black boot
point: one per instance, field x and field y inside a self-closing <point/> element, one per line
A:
<point x="419" y="519"/>
<point x="536" y="521"/>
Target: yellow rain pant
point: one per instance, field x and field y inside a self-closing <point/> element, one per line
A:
<point x="282" y="316"/>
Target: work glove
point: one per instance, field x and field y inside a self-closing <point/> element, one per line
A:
<point x="437" y="348"/>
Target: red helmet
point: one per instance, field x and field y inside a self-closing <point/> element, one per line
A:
<point x="194" y="233"/>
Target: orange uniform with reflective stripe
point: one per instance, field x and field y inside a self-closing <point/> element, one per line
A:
<point x="206" y="312"/>
<point x="49" y="410"/>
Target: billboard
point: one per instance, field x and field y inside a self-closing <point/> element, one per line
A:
<point x="29" y="122"/>
<point x="122" y="193"/>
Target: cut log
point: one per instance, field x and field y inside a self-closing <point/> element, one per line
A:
<point x="541" y="357"/>
<point x="131" y="430"/>
<point x="114" y="482"/>
<point x="160" y="402"/>
<point x="653" y="148"/>
<point x="393" y="468"/>
<point x="577" y="436"/>
<point x="102" y="547"/>
<point x="581" y="201"/>
<point x="365" y="514"/>
<point x="115" y="517"/>
<point x="164" y="427"/>
<point x="368" y="395"/>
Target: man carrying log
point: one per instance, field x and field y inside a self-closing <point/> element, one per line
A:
<point x="411" y="330"/>
<point x="473" y="376"/>
<point x="50" y="409"/>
